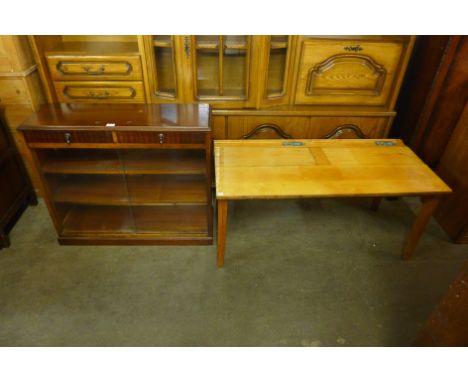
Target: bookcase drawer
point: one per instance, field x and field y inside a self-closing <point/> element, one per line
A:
<point x="162" y="137"/>
<point x="100" y="92"/>
<point x="68" y="137"/>
<point x="66" y="68"/>
<point x="306" y="127"/>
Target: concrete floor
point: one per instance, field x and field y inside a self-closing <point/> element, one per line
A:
<point x="297" y="273"/>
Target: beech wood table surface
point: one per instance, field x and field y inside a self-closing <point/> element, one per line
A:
<point x="319" y="168"/>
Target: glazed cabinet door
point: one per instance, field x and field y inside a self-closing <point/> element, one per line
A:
<point x="221" y="70"/>
<point x="164" y="68"/>
<point x="349" y="71"/>
<point x="276" y="71"/>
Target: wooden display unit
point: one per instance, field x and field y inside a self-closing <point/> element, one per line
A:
<point x="125" y="174"/>
<point x="306" y="85"/>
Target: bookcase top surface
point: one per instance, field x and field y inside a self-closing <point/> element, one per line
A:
<point x="61" y="116"/>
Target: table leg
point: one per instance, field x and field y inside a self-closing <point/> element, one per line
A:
<point x="222" y="225"/>
<point x="375" y="203"/>
<point x="430" y="203"/>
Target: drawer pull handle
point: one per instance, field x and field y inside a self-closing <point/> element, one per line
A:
<point x="100" y="70"/>
<point x="95" y="95"/>
<point x="353" y="48"/>
<point x="161" y="138"/>
<point x="68" y="138"/>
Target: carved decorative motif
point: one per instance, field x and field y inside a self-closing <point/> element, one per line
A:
<point x="346" y="74"/>
<point x="340" y="130"/>
<point x="265" y="128"/>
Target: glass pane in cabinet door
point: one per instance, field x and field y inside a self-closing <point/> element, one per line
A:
<point x="208" y="72"/>
<point x="277" y="65"/>
<point x="165" y="66"/>
<point x="235" y="66"/>
<point x="235" y="72"/>
<point x="235" y="41"/>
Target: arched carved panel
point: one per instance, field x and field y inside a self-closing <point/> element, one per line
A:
<point x="346" y="131"/>
<point x="346" y="74"/>
<point x="267" y="131"/>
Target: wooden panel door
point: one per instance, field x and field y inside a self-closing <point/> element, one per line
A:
<point x="222" y="70"/>
<point x="344" y="71"/>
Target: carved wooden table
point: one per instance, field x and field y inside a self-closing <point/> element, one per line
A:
<point x="315" y="168"/>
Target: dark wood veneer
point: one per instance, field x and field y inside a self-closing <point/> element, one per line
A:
<point x="144" y="178"/>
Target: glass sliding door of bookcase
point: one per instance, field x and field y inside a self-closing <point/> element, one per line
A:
<point x="127" y="191"/>
<point x="88" y="190"/>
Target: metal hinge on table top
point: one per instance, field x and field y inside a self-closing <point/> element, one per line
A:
<point x="292" y="143"/>
<point x="385" y="143"/>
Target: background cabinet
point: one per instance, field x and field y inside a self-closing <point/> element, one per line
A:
<point x="327" y="81"/>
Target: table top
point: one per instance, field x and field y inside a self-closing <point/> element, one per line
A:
<point x="269" y="169"/>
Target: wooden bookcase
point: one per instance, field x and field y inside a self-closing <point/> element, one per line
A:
<point x="124" y="174"/>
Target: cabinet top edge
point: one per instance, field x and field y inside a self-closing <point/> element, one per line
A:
<point x="93" y="48"/>
<point x="361" y="37"/>
<point x="120" y="117"/>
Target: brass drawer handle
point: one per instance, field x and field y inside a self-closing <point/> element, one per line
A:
<point x="100" y="70"/>
<point x="68" y="138"/>
<point x="161" y="138"/>
<point x="353" y="48"/>
<point x="95" y="95"/>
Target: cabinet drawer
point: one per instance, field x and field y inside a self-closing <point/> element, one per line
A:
<point x="306" y="127"/>
<point x="97" y="92"/>
<point x="348" y="127"/>
<point x="161" y="137"/>
<point x="63" y="68"/>
<point x="347" y="72"/>
<point x="68" y="137"/>
<point x="266" y="127"/>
